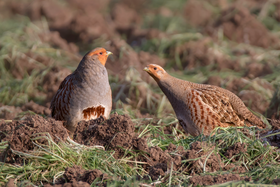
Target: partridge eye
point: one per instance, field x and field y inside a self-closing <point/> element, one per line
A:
<point x="100" y="53"/>
<point x="155" y="68"/>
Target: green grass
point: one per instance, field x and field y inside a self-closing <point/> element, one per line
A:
<point x="14" y="45"/>
<point x="47" y="162"/>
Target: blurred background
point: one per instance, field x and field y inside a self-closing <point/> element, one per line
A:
<point x="233" y="44"/>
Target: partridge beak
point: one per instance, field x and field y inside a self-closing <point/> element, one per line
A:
<point x="146" y="69"/>
<point x="108" y="53"/>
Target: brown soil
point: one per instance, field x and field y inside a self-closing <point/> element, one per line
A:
<point x="236" y="169"/>
<point x="18" y="134"/>
<point x="9" y="112"/>
<point x="118" y="132"/>
<point x="26" y="63"/>
<point x="115" y="134"/>
<point x="68" y="184"/>
<point x="199" y="53"/>
<point x="83" y="21"/>
<point x="125" y="18"/>
<point x="235" y="150"/>
<point x="75" y="21"/>
<point x="11" y="183"/>
<point x="276" y="181"/>
<point x="236" y="85"/>
<point x="196" y="13"/>
<point x="125" y="58"/>
<point x="252" y="98"/>
<point x="214" y="80"/>
<point x="218" y="179"/>
<point x="202" y="151"/>
<point x="257" y="70"/>
<point x="273" y="111"/>
<point x="12" y="112"/>
<point x="275" y="124"/>
<point x="239" y="25"/>
<point x="76" y="174"/>
<point x="56" y="41"/>
<point x="38" y="109"/>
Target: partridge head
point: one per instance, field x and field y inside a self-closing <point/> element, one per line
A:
<point x="201" y="108"/>
<point x="85" y="94"/>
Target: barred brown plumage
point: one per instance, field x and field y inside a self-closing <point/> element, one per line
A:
<point x="85" y="94"/>
<point x="201" y="108"/>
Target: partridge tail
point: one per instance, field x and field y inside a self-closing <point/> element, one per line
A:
<point x="254" y="120"/>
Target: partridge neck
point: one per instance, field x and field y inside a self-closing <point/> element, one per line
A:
<point x="173" y="88"/>
<point x="89" y="69"/>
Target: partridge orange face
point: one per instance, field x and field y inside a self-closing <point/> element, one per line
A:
<point x="155" y="71"/>
<point x="101" y="53"/>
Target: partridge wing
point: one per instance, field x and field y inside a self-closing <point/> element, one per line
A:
<point x="219" y="104"/>
<point x="61" y="101"/>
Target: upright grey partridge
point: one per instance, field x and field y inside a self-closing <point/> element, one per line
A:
<point x="85" y="94"/>
<point x="201" y="108"/>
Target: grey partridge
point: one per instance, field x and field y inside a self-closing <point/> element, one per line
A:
<point x="201" y="108"/>
<point x="85" y="94"/>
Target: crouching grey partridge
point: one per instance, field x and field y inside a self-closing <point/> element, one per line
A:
<point x="85" y="94"/>
<point x="201" y="108"/>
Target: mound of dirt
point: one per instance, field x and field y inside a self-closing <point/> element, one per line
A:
<point x="69" y="184"/>
<point x="73" y="22"/>
<point x="88" y="5"/>
<point x="125" y="18"/>
<point x="196" y="13"/>
<point x="125" y="58"/>
<point x="199" y="53"/>
<point x="235" y="150"/>
<point x="214" y="80"/>
<point x="38" y="109"/>
<point x="118" y="132"/>
<point x="53" y="38"/>
<point x="247" y="91"/>
<point x="57" y="15"/>
<point x="254" y="100"/>
<point x="218" y="179"/>
<point x="241" y="26"/>
<point x="257" y="69"/>
<point x="9" y="112"/>
<point x="201" y="150"/>
<point x="236" y="85"/>
<point x="19" y="134"/>
<point x="78" y="177"/>
<point x="11" y="183"/>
